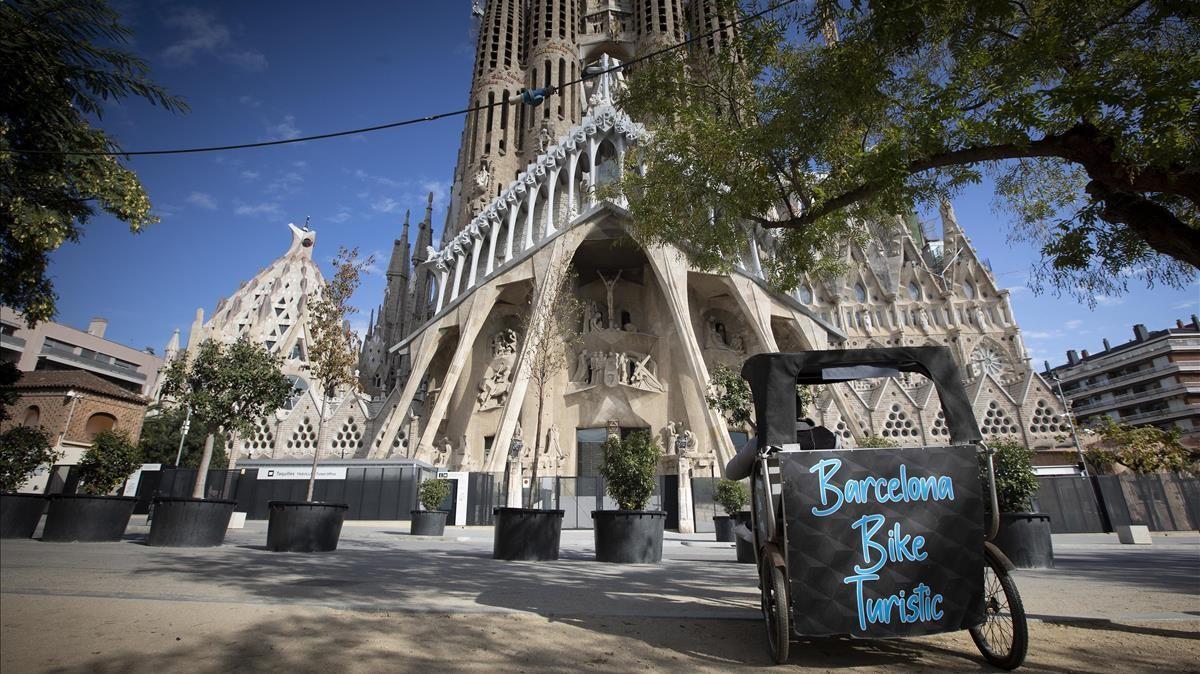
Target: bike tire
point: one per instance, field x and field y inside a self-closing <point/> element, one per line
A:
<point x="774" y="594"/>
<point x="1003" y="640"/>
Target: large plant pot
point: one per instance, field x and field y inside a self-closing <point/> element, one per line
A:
<point x="189" y="522"/>
<point x="20" y="514"/>
<point x="299" y="526"/>
<point x="1025" y="539"/>
<point x="428" y="522"/>
<point x="723" y="526"/>
<point x="76" y="517"/>
<point x="526" y="534"/>
<point x="745" y="547"/>
<point x="629" y="536"/>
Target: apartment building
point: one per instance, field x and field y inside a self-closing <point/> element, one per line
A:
<point x="1153" y="379"/>
<point x="54" y="346"/>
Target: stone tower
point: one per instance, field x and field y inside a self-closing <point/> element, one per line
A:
<point x="489" y="155"/>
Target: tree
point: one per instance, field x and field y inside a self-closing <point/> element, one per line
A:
<point x="110" y="460"/>
<point x="9" y="374"/>
<point x="878" y="442"/>
<point x="333" y="347"/>
<point x="828" y="115"/>
<point x="228" y="387"/>
<point x="1142" y="449"/>
<point x="1016" y="481"/>
<point x="551" y="327"/>
<point x="733" y="495"/>
<point x="60" y="60"/>
<point x="22" y="450"/>
<point x="159" y="441"/>
<point x="730" y="395"/>
<point x="628" y="469"/>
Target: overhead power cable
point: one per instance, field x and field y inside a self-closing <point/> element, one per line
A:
<point x="527" y="97"/>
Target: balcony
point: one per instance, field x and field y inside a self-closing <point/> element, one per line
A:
<point x="1157" y="415"/>
<point x="1148" y="394"/>
<point x="65" y="357"/>
<point x="12" y="342"/>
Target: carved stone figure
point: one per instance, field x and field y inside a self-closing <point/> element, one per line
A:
<point x="737" y="343"/>
<point x="442" y="449"/>
<point x="643" y="377"/>
<point x="671" y="435"/>
<point x="923" y="318"/>
<point x="545" y="139"/>
<point x="609" y="285"/>
<point x="595" y="321"/>
<point x="980" y="318"/>
<point x="581" y="373"/>
<point x="504" y="343"/>
<point x="716" y="335"/>
<point x="867" y="324"/>
<point x="493" y="390"/>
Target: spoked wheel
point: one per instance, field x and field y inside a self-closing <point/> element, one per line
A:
<point x="775" y="609"/>
<point x="1003" y="638"/>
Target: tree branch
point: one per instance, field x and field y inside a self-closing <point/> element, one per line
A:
<point x="1153" y="222"/>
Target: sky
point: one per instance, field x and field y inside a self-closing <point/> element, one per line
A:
<point x="250" y="72"/>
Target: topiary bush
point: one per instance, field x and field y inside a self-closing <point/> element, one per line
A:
<point x="628" y="468"/>
<point x="110" y="460"/>
<point x="22" y="450"/>
<point x="878" y="442"/>
<point x="732" y="495"/>
<point x="1016" y="482"/>
<point x="431" y="493"/>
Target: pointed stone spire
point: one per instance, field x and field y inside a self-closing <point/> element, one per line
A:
<point x="172" y="345"/>
<point x="398" y="265"/>
<point x="950" y="229"/>
<point x="197" y="329"/>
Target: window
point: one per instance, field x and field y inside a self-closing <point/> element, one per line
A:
<point x="806" y="295"/>
<point x="33" y="417"/>
<point x="914" y="290"/>
<point x="860" y="293"/>
<point x="968" y="290"/>
<point x="100" y="421"/>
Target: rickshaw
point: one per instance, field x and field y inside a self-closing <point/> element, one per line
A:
<point x="875" y="543"/>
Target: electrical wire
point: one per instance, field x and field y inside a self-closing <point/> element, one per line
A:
<point x="526" y="98"/>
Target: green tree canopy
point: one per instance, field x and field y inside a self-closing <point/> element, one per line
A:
<point x="159" y="441"/>
<point x="628" y="469"/>
<point x="60" y="60"/>
<point x="110" y="460"/>
<point x="227" y="386"/>
<point x="832" y="114"/>
<point x="22" y="450"/>
<point x="1142" y="449"/>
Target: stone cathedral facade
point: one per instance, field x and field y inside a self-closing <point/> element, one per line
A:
<point x="445" y="363"/>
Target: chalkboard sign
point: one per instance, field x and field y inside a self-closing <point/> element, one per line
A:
<point x="884" y="542"/>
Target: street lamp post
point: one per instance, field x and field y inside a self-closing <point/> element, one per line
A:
<point x="183" y="431"/>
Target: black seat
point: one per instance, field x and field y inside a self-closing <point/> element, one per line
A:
<point x="811" y="436"/>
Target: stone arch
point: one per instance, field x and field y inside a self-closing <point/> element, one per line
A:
<point x="99" y="422"/>
<point x="33" y="417"/>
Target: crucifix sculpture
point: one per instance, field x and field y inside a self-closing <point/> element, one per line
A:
<point x="609" y="284"/>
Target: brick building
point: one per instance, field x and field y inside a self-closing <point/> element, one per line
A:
<point x="72" y="406"/>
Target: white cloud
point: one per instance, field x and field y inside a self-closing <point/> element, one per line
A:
<point x="386" y="205"/>
<point x="266" y="209"/>
<point x="1073" y="324"/>
<point x="440" y="189"/>
<point x="286" y="183"/>
<point x="300" y="164"/>
<point x="250" y="102"/>
<point x="284" y="130"/>
<point x="250" y="175"/>
<point x="1189" y="304"/>
<point x="202" y="200"/>
<point x="343" y="215"/>
<point x="1109" y="301"/>
<point x="1043" y="334"/>
<point x="204" y="34"/>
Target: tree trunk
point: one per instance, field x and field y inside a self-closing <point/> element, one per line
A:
<point x="1153" y="222"/>
<point x="312" y="477"/>
<point x="202" y="470"/>
<point x="537" y="448"/>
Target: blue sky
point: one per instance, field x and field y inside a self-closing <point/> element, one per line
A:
<point x="251" y="72"/>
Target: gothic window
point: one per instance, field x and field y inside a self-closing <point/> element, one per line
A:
<point x="860" y="293"/>
<point x="898" y="425"/>
<point x="806" y="295"/>
<point x="262" y="437"/>
<point x="98" y="422"/>
<point x="939" y="426"/>
<point x="997" y="422"/>
<point x="304" y="437"/>
<point x="914" y="290"/>
<point x="349" y="437"/>
<point x="968" y="290"/>
<point x="986" y="360"/>
<point x="1045" y="420"/>
<point x="299" y="387"/>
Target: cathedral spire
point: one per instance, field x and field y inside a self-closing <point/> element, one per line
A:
<point x="398" y="265"/>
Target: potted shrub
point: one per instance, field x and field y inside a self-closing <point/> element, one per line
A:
<point x="95" y="515"/>
<point x="309" y="525"/>
<point x="226" y="386"/>
<point x="551" y="328"/>
<point x="22" y="450"/>
<point x="431" y="521"/>
<point x="630" y="535"/>
<point x="733" y="496"/>
<point x="1024" y="535"/>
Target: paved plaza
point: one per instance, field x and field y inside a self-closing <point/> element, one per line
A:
<point x="385" y="601"/>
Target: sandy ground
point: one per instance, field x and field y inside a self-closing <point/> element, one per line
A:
<point x="135" y="635"/>
<point x="386" y="601"/>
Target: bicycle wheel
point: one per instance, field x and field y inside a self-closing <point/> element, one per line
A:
<point x="1003" y="638"/>
<point x="775" y="610"/>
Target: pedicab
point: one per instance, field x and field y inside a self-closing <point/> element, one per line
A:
<point x="875" y="543"/>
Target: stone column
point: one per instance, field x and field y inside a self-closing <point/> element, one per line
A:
<point x="476" y="244"/>
<point x="591" y="150"/>
<point x="495" y="232"/>
<point x="459" y="259"/>
<point x="551" y="182"/>
<point x="572" y="163"/>
<point x="532" y="205"/>
<point x="508" y="236"/>
<point x="687" y="519"/>
<point x="441" y="291"/>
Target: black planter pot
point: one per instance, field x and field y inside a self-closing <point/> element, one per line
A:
<point x="629" y="536"/>
<point x="723" y="524"/>
<point x="1025" y="539"/>
<point x="745" y="548"/>
<point x="428" y="522"/>
<point x="189" y="522"/>
<point x="299" y="526"/>
<point x="20" y="514"/>
<point x="76" y="517"/>
<point x="525" y="534"/>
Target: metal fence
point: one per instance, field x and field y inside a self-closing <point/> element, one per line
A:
<point x="1160" y="501"/>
